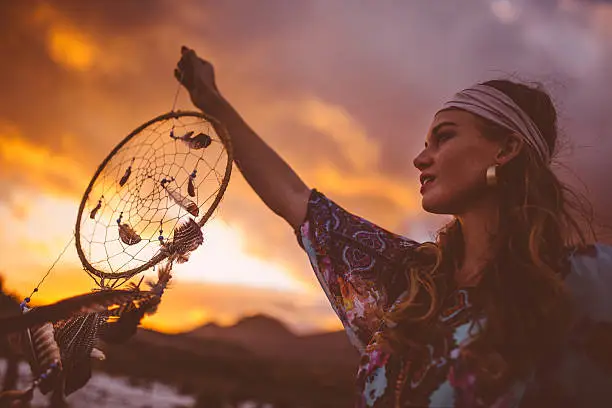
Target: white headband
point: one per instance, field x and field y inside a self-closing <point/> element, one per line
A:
<point x="499" y="108"/>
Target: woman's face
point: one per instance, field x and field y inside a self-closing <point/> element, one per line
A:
<point x="454" y="163"/>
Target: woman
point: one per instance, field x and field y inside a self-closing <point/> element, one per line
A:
<point x="509" y="308"/>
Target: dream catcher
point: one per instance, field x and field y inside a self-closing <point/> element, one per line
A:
<point x="144" y="208"/>
<point x="150" y="197"/>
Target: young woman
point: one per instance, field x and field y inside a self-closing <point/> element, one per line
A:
<point x="508" y="308"/>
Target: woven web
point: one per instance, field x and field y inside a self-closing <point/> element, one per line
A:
<point x="143" y="203"/>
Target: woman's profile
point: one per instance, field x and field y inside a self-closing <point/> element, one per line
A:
<point x="510" y="307"/>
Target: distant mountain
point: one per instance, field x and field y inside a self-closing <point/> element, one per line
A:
<point x="268" y="337"/>
<point x="247" y="329"/>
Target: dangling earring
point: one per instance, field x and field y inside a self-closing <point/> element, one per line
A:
<point x="492" y="176"/>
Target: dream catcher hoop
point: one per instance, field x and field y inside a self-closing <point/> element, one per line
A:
<point x="151" y="195"/>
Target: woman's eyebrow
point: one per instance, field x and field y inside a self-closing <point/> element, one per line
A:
<point x="439" y="126"/>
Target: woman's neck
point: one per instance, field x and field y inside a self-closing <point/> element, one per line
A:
<point x="477" y="226"/>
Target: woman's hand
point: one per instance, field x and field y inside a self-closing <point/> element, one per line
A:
<point x="198" y="77"/>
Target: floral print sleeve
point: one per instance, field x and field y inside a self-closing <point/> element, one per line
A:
<point x="356" y="263"/>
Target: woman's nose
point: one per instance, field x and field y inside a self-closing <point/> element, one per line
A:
<point x="423" y="160"/>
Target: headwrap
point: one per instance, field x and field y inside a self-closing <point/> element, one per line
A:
<point x="494" y="105"/>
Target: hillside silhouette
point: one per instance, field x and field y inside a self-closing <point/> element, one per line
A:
<point x="268" y="337"/>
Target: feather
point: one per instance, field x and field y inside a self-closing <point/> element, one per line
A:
<point x="199" y="141"/>
<point x="92" y="215"/>
<point x="87" y="303"/>
<point x="76" y="338"/>
<point x="163" y="277"/>
<point x="184" y="202"/>
<point x="128" y="235"/>
<point x="122" y="327"/>
<point x="45" y="349"/>
<point x="45" y="354"/>
<point x="125" y="321"/>
<point x="181" y="258"/>
<point x="186" y="136"/>
<point x="191" y="187"/>
<point x="187" y="238"/>
<point x="127" y="174"/>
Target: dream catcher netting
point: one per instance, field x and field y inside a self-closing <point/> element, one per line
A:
<point x="143" y="209"/>
<point x="150" y="197"/>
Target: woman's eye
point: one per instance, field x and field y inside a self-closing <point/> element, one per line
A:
<point x="442" y="137"/>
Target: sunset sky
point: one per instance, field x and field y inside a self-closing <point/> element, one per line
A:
<point x="344" y="90"/>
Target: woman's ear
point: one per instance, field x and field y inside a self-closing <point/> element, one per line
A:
<point x="510" y="148"/>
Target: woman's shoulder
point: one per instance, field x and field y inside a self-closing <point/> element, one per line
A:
<point x="590" y="280"/>
<point x="326" y="221"/>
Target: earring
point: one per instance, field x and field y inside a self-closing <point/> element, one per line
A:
<point x="492" y="176"/>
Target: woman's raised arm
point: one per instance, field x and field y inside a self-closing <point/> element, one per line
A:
<point x="267" y="173"/>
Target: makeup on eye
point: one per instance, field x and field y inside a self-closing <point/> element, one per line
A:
<point x="437" y="135"/>
<point x="444" y="136"/>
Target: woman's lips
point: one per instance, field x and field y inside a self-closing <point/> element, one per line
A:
<point x="427" y="184"/>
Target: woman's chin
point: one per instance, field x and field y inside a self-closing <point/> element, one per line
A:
<point x="435" y="206"/>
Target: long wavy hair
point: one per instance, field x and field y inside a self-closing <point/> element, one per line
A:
<point x="521" y="291"/>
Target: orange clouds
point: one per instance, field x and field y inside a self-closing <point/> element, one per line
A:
<point x="362" y="152"/>
<point x="67" y="45"/>
<point x="71" y="48"/>
<point x="80" y="47"/>
<point x="34" y="228"/>
<point x="402" y="194"/>
<point x="25" y="160"/>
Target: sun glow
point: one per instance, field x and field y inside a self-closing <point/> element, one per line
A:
<point x="222" y="259"/>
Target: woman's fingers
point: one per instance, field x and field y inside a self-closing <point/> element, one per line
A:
<point x="188" y="55"/>
<point x="187" y="66"/>
<point x="178" y="75"/>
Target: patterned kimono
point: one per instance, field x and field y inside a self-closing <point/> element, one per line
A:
<point x="357" y="264"/>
